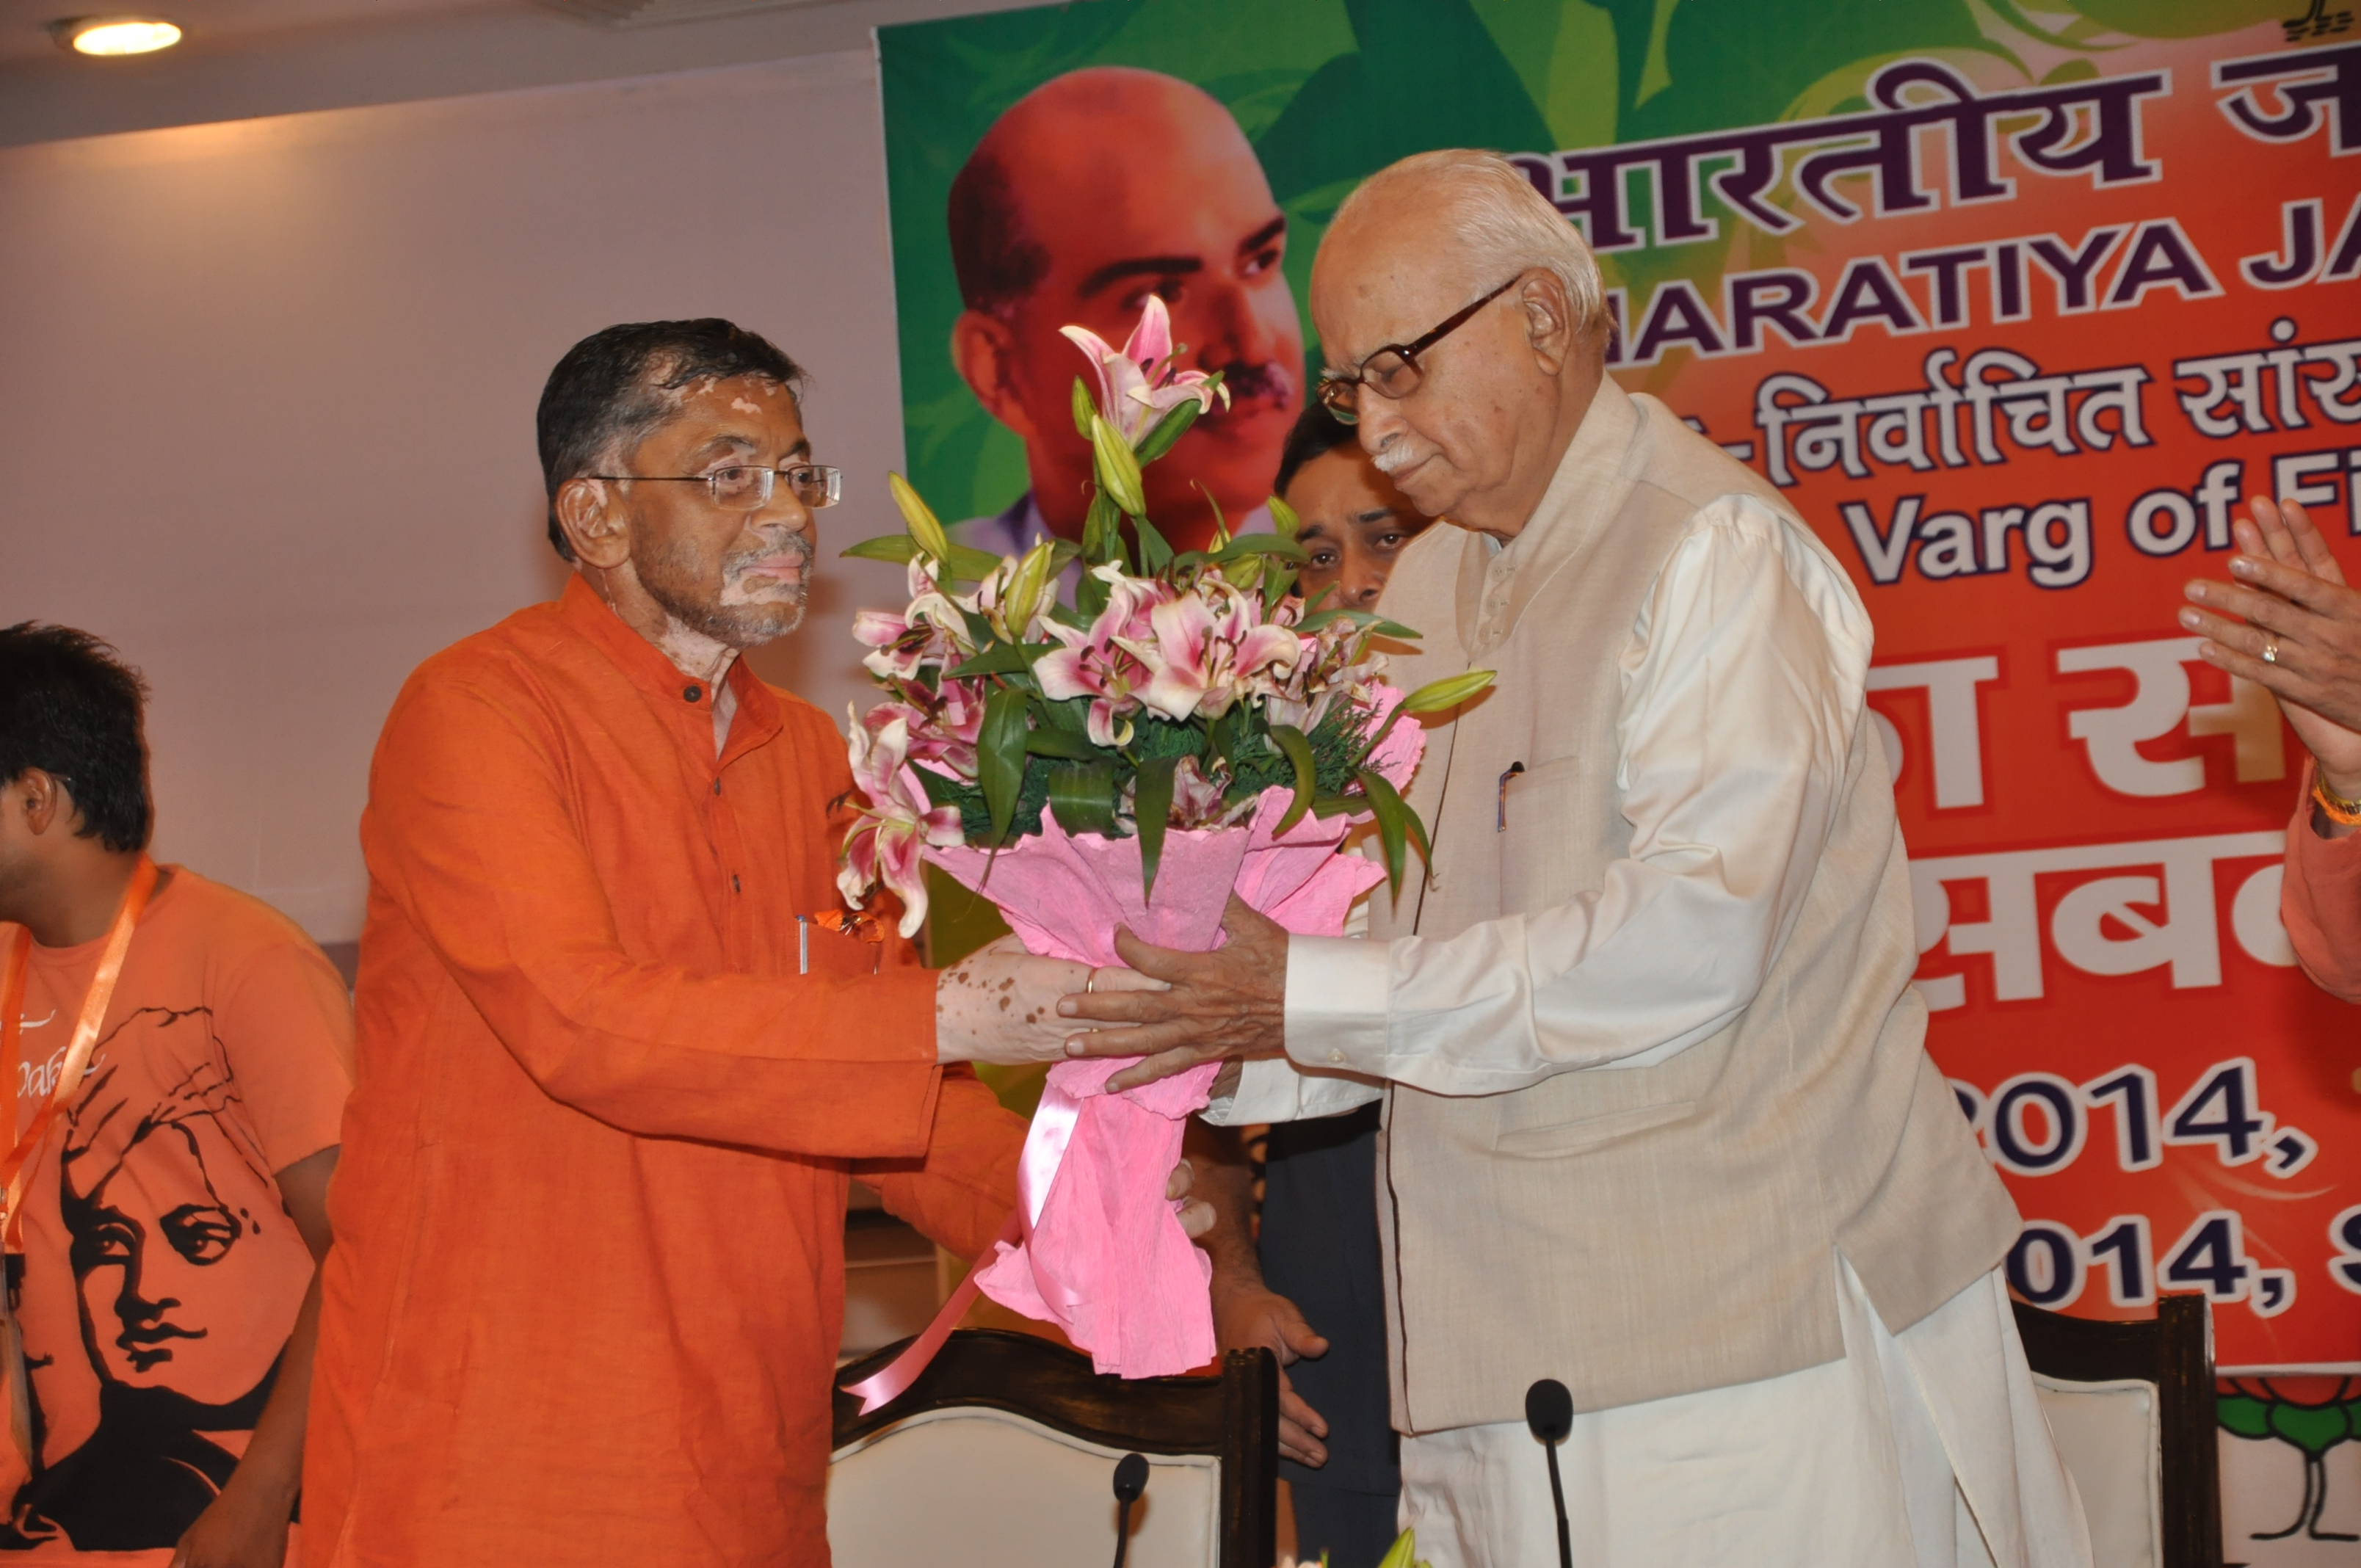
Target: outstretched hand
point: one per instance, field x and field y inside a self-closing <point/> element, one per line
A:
<point x="999" y="1005"/>
<point x="1256" y="1315"/>
<point x="1230" y="1004"/>
<point x="2300" y="636"/>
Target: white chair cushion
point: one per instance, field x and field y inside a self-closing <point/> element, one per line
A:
<point x="2111" y="1438"/>
<point x="982" y="1488"/>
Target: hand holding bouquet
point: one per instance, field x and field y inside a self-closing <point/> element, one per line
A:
<point x="1185" y="727"/>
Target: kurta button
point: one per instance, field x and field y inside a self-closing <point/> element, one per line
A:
<point x="692" y="693"/>
<point x="1335" y="1055"/>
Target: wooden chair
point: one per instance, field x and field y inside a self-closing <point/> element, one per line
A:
<point x="1003" y="1453"/>
<point x="2132" y="1408"/>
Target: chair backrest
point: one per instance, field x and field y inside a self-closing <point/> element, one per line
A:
<point x="2131" y="1405"/>
<point x="1003" y="1452"/>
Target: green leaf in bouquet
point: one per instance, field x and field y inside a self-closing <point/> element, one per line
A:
<point x="1436" y="696"/>
<point x="924" y="526"/>
<point x="1000" y="756"/>
<point x="1396" y="823"/>
<point x="1276" y="582"/>
<point x="1221" y="735"/>
<point x="970" y="564"/>
<point x="1118" y="469"/>
<point x="895" y="547"/>
<point x="1155" y="554"/>
<point x="1082" y="796"/>
<point x="1048" y="742"/>
<point x="1246" y="545"/>
<point x="1002" y="659"/>
<point x="1083" y="409"/>
<point x="1298" y="748"/>
<point x="1221" y="523"/>
<point x="1315" y="620"/>
<point x="1102" y="539"/>
<point x="1151" y="809"/>
<point x="1284" y="521"/>
<point x="1071" y="714"/>
<point x="1398" y="1554"/>
<point x="1368" y="620"/>
<point x="1166" y="430"/>
<point x="942" y="789"/>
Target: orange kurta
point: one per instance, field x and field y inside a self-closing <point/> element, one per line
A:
<point x="588" y="1279"/>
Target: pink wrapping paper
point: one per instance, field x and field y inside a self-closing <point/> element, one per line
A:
<point x="1101" y="1252"/>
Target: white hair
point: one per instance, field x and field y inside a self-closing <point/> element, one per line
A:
<point x="1500" y="218"/>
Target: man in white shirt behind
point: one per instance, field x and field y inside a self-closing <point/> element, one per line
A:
<point x="1660" y="1123"/>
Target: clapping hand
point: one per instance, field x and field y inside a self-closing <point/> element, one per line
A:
<point x="2297" y="634"/>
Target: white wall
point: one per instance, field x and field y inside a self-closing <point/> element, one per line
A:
<point x="266" y="415"/>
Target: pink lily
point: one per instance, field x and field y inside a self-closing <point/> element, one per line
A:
<point x="1137" y="384"/>
<point x="885" y="845"/>
<point x="1197" y="799"/>
<point x="928" y="631"/>
<point x="1323" y="674"/>
<point x="1216" y="649"/>
<point x="1108" y="663"/>
<point x="943" y="736"/>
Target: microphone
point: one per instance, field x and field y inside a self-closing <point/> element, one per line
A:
<point x="1549" y="1412"/>
<point x="1130" y="1481"/>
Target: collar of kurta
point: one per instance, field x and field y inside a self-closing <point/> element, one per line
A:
<point x="1609" y="447"/>
<point x="687" y="702"/>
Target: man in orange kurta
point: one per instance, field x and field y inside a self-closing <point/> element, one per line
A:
<point x="585" y="1296"/>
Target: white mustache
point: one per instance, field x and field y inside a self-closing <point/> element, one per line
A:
<point x="1396" y="454"/>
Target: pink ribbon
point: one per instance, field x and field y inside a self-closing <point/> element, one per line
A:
<point x="1044" y="1150"/>
<point x="882" y="1388"/>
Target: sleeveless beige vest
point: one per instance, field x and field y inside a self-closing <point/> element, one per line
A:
<point x="1643" y="1231"/>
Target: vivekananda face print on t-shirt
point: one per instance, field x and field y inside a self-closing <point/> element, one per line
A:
<point x="152" y="1336"/>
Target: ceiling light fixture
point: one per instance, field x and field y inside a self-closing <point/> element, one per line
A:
<point x="114" y="36"/>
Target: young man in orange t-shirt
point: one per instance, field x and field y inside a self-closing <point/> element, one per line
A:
<point x="174" y="1206"/>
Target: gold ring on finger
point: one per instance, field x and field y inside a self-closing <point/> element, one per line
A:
<point x="1092" y="985"/>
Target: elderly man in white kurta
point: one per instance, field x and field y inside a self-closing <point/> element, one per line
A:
<point x="1660" y="1120"/>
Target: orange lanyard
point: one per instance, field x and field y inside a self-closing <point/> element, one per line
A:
<point x="16" y="1170"/>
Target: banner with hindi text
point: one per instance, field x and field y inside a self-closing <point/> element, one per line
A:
<point x="2014" y="306"/>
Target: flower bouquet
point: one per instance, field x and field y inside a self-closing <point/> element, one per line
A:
<point x="1183" y="728"/>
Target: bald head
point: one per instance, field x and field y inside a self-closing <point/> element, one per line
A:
<point x="1092" y="192"/>
<point x="1088" y="126"/>
<point x="1496" y="401"/>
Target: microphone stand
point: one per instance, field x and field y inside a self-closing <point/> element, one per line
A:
<point x="1130" y="1481"/>
<point x="1549" y="1412"/>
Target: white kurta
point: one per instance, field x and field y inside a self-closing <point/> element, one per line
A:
<point x="1743" y="682"/>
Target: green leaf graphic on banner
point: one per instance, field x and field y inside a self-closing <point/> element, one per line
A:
<point x="1361" y="111"/>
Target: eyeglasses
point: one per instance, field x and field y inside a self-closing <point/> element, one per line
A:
<point x="747" y="487"/>
<point x="1392" y="371"/>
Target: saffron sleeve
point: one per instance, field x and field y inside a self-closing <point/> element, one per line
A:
<point x="2320" y="901"/>
<point x="469" y="829"/>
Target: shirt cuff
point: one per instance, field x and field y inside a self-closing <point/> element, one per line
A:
<point x="1339" y="992"/>
<point x="1271" y="1089"/>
